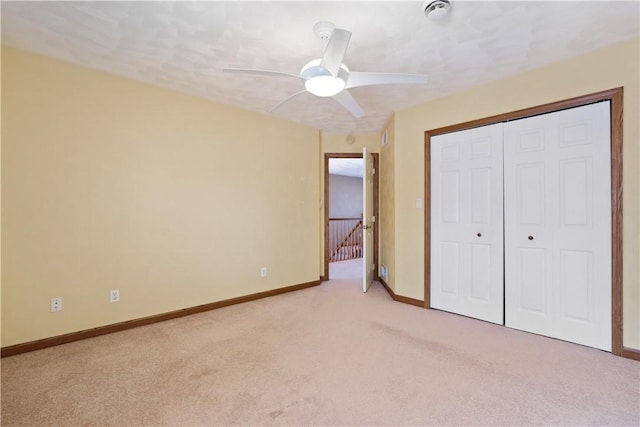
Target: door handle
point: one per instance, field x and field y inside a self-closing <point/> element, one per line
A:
<point x="366" y="227"/>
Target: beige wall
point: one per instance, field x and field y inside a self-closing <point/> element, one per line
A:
<point x="600" y="70"/>
<point x="109" y="183"/>
<point x="387" y="211"/>
<point x="345" y="196"/>
<point x="337" y="143"/>
<point x="175" y="201"/>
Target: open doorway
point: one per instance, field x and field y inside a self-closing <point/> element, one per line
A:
<point x="343" y="213"/>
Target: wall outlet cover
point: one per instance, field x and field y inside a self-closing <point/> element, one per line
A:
<point x="114" y="295"/>
<point x="56" y="304"/>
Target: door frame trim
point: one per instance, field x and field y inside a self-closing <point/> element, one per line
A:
<point x="328" y="156"/>
<point x="616" y="97"/>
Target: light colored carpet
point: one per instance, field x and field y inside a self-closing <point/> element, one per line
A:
<point x="328" y="355"/>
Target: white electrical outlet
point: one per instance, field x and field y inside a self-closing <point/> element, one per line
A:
<point x="56" y="304"/>
<point x="263" y="272"/>
<point x="114" y="295"/>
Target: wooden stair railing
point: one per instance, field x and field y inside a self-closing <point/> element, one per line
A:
<point x="345" y="238"/>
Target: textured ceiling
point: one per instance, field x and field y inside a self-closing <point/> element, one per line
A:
<point x="185" y="45"/>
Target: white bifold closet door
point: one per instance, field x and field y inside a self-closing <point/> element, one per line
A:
<point x="539" y="260"/>
<point x="557" y="181"/>
<point x="466" y="223"/>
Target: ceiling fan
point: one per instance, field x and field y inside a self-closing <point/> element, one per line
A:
<point x="329" y="77"/>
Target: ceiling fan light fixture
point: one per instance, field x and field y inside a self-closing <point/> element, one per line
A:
<point x="320" y="82"/>
<point x="325" y="85"/>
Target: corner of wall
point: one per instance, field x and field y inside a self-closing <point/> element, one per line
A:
<point x="387" y="203"/>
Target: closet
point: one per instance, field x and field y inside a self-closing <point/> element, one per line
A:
<point x="521" y="224"/>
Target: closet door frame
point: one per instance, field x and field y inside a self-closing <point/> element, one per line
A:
<point x="616" y="98"/>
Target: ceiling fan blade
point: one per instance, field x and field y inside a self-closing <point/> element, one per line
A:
<point x="367" y="79"/>
<point x="345" y="99"/>
<point x="261" y="72"/>
<point x="334" y="53"/>
<point x="284" y="101"/>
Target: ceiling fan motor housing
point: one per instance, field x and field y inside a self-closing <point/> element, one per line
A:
<point x="323" y="30"/>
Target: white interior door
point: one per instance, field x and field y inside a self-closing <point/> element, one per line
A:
<point x="367" y="220"/>
<point x="558" y="225"/>
<point x="467" y="223"/>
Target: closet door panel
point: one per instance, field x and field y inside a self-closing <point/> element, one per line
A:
<point x="527" y="238"/>
<point x="576" y="285"/>
<point x="530" y="196"/>
<point x="583" y="227"/>
<point x="531" y="285"/>
<point x="480" y="284"/>
<point x="558" y="200"/>
<point x="450" y="268"/>
<point x="466" y="223"/>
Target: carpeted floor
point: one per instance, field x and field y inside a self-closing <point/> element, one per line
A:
<point x="328" y="355"/>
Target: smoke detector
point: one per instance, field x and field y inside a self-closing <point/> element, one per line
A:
<point x="436" y="10"/>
